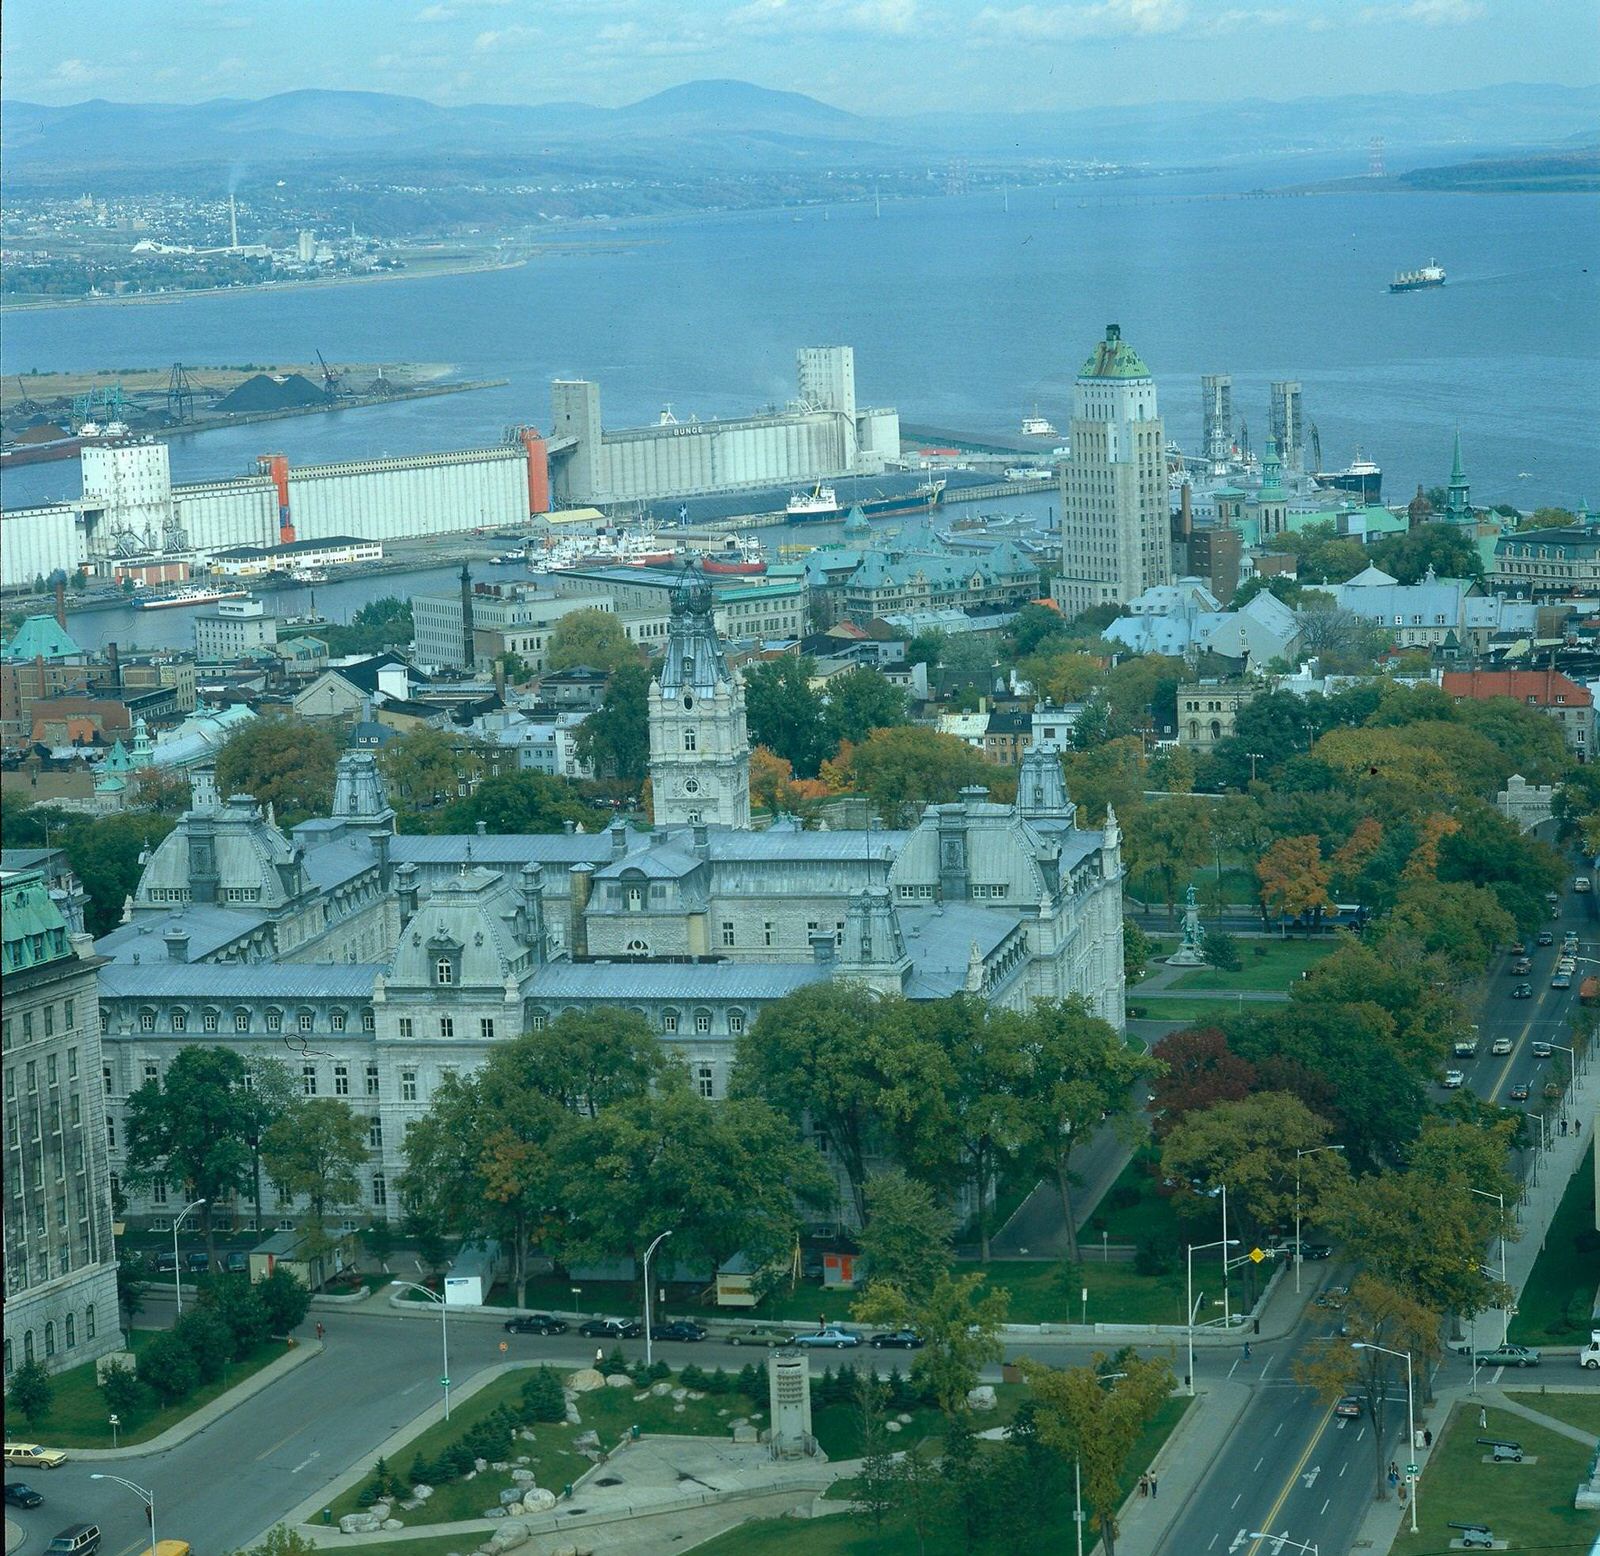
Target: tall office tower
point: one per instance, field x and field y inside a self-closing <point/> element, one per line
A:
<point x="1116" y="530"/>
<point x="1288" y="423"/>
<point x="1216" y="410"/>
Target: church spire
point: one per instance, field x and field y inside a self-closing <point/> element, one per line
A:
<point x="1458" y="496"/>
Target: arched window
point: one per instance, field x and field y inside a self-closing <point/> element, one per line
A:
<point x="241" y="1020"/>
<point x="49" y="1337"/>
<point x="702" y="1021"/>
<point x="1216" y="729"/>
<point x="538" y="1020"/>
<point x="303" y="1020"/>
<point x="336" y="1021"/>
<point x="736" y="1022"/>
<point x="72" y="1330"/>
<point x="669" y="1021"/>
<point x="147" y="1021"/>
<point x="8" y="1358"/>
<point x="180" y="1021"/>
<point x="638" y="948"/>
<point x="27" y="1347"/>
<point x="209" y="1019"/>
<point x="634" y="899"/>
<point x="274" y="1020"/>
<point x="444" y="971"/>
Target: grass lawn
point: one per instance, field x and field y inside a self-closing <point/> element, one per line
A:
<point x="1579" y="1410"/>
<point x="551" y="1456"/>
<point x="1554" y="1306"/>
<point x="1161" y="1007"/>
<point x="1044" y="1294"/>
<point x="838" y="1427"/>
<point x="1530" y="1505"/>
<point x="78" y="1413"/>
<point x="1268" y="965"/>
<point x="434" y="1545"/>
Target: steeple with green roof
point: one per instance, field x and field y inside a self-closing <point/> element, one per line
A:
<point x="1458" y="495"/>
<point x="1271" y="472"/>
<point x="1114" y="358"/>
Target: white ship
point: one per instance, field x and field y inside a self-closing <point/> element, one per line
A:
<point x="1037" y="426"/>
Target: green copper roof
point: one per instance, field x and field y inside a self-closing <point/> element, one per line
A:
<point x="34" y="931"/>
<point x="40" y="637"/>
<point x="1114" y="358"/>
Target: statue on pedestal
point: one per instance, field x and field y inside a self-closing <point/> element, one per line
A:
<point x="1192" y="952"/>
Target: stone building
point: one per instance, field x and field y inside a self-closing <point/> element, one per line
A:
<point x="61" y="1266"/>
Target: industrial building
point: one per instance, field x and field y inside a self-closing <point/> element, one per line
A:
<point x="821" y="435"/>
<point x="1288" y="423"/>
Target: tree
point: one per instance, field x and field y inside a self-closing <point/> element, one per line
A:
<point x="515" y="803"/>
<point x="427" y="767"/>
<point x="901" y="770"/>
<point x="130" y="1285"/>
<point x="1200" y="1070"/>
<point x="614" y="741"/>
<point x="775" y="789"/>
<point x="1443" y="547"/>
<point x="922" y="1494"/>
<point x="282" y="1541"/>
<point x="1222" y="951"/>
<point x="594" y="638"/>
<point x="860" y="701"/>
<point x="1060" y="674"/>
<point x="1172" y="839"/>
<point x="285" y="763"/>
<point x="1294" y="880"/>
<point x="378" y="625"/>
<point x="191" y="1128"/>
<point x="240" y="1306"/>
<point x="959" y="1322"/>
<point x="543" y="1397"/>
<point x="286" y="1299"/>
<point x="313" y="1151"/>
<point x="31" y="1391"/>
<point x="1135" y="950"/>
<point x="168" y="1368"/>
<point x="875" y="1485"/>
<point x="209" y="1340"/>
<point x="1343" y="642"/>
<point x="123" y="1391"/>
<point x="906" y="1240"/>
<point x="1462" y="923"/>
<point x="925" y="649"/>
<point x="1097" y="1423"/>
<point x="786" y="715"/>
<point x="1032" y="627"/>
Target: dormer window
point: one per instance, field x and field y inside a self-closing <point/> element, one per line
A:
<point x="444" y="970"/>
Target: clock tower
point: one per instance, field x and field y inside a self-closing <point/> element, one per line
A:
<point x="699" y="747"/>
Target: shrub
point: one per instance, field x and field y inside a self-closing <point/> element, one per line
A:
<point x="615" y="1362"/>
<point x="287" y="1302"/>
<point x="1124" y="1196"/>
<point x="239" y="1304"/>
<point x="692" y="1377"/>
<point x="121" y="1386"/>
<point x="31" y="1391"/>
<point x="422" y="1471"/>
<point x="657" y="1372"/>
<point x="751" y="1381"/>
<point x="210" y="1342"/>
<point x="1156" y="1256"/>
<point x="718" y="1382"/>
<point x="168" y="1367"/>
<point x="543" y="1398"/>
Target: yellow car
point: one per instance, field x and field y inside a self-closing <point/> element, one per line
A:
<point x="32" y="1456"/>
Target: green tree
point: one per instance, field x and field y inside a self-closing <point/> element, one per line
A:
<point x="313" y="1152"/>
<point x="902" y="770"/>
<point x="191" y="1129"/>
<point x="286" y="1299"/>
<point x="1032" y="628"/>
<point x="594" y="638"/>
<point x="543" y="1398"/>
<point x="906" y="1241"/>
<point x="282" y="1541"/>
<point x="123" y="1391"/>
<point x="1171" y="841"/>
<point x="860" y="701"/>
<point x="786" y="715"/>
<point x="131" y="1285"/>
<point x="514" y="804"/>
<point x="959" y="1322"/>
<point x="378" y="625"/>
<point x="209" y="1340"/>
<point x="238" y="1303"/>
<point x="587" y="1060"/>
<point x="1097" y="1423"/>
<point x="31" y="1391"/>
<point x="426" y="767"/>
<point x="168" y="1368"/>
<point x="285" y="763"/>
<point x="1135" y="950"/>
<point x="1443" y="547"/>
<point x="1222" y="951"/>
<point x="614" y="741"/>
<point x="875" y="1485"/>
<point x="925" y="649"/>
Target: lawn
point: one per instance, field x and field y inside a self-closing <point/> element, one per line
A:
<point x="1269" y="965"/>
<point x="1047" y="1294"/>
<point x="1530" y="1505"/>
<point x="838" y="1427"/>
<point x="1555" y="1304"/>
<point x="1579" y="1410"/>
<point x="551" y="1456"/>
<point x="78" y="1413"/>
<point x="1161" y="1007"/>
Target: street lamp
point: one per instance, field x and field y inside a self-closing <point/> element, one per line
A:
<point x="1225" y="1243"/>
<point x="1299" y="1250"/>
<point x="147" y="1497"/>
<point x="1500" y="1200"/>
<point x="444" y="1335"/>
<point x="1281" y="1540"/>
<point x="1411" y="1417"/>
<point x="662" y="1237"/>
<point x="177" y="1263"/>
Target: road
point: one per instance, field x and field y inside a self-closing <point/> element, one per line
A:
<point x="1290" y="1465"/>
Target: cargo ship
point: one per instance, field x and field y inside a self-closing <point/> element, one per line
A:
<point x="1361" y="478"/>
<point x="739" y="556"/>
<point x="61" y="445"/>
<point x="195" y="596"/>
<point x="1431" y="274"/>
<point x="821" y="504"/>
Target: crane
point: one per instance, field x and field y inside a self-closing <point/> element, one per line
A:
<point x="27" y="405"/>
<point x="180" y="395"/>
<point x="1315" y="439"/>
<point x="330" y="379"/>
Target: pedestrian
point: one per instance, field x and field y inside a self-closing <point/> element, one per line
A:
<point x="1144" y="1485"/>
<point x="1247" y="1350"/>
<point x="1152" y="1488"/>
<point x="1483" y="1420"/>
<point x="1563" y="1126"/>
<point x="320" y="1332"/>
<point x="1257" y="1326"/>
<point x="1427" y="1438"/>
<point x="1402" y="1496"/>
<point x="599" y="1357"/>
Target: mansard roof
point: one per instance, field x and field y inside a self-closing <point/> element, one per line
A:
<point x="622" y="982"/>
<point x="222" y="982"/>
<point x="210" y="929"/>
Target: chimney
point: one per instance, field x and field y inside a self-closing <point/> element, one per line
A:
<point x="500" y="679"/>
<point x="483" y="828"/>
<point x="619" y="839"/>
<point x="468" y="649"/>
<point x="582" y="877"/>
<point x="702" y="840"/>
<point x="61" y="600"/>
<point x="405" y="886"/>
<point x="380" y="841"/>
<point x="114" y="664"/>
<point x="177" y="944"/>
<point x="1185" y="511"/>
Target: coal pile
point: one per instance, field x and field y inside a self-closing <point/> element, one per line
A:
<point x="267" y="392"/>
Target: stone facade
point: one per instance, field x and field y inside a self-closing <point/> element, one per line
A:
<point x="61" y="1265"/>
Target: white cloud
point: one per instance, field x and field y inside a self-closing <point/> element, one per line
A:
<point x="883" y="18"/>
<point x="78" y="72"/>
<point x="504" y="38"/>
<point x="1427" y="13"/>
<point x="1068" y="23"/>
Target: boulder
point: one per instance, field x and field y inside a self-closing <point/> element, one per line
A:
<point x="904" y="1418"/>
<point x="393" y="1523"/>
<point x="411" y="1504"/>
<point x="421" y="1492"/>
<point x="523" y="1477"/>
<point x="585" y="1379"/>
<point x="480" y="1465"/>
<point x="639" y="1399"/>
<point x="573" y="1418"/>
<point x="500" y="1466"/>
<point x="539" y="1500"/>
<point x="359" y="1523"/>
<point x="679" y="1409"/>
<point x="494" y="1512"/>
<point x="522" y="1458"/>
<point x="744" y="1434"/>
<point x="662" y="1389"/>
<point x="981" y="1398"/>
<point x="586" y="1440"/>
<point x="510" y="1495"/>
<point x="618" y="1380"/>
<point x="565" y="1550"/>
<point x="696" y="1394"/>
<point x="526" y="1434"/>
<point x="678" y="1394"/>
<point x="509" y="1537"/>
<point x="379" y="1510"/>
<point x="893" y="1426"/>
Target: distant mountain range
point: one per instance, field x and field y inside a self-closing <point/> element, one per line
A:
<point x="711" y="124"/>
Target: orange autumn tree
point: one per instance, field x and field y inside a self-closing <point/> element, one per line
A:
<point x="774" y="787"/>
<point x="1294" y="879"/>
<point x="1354" y="854"/>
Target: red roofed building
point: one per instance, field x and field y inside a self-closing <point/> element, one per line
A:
<point x="1551" y="692"/>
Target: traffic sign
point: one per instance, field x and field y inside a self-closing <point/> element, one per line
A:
<point x="1256" y="1256"/>
<point x="1411" y="1471"/>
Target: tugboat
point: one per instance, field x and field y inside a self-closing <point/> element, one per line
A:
<point x="739" y="555"/>
<point x="1431" y="274"/>
<point x="821" y="504"/>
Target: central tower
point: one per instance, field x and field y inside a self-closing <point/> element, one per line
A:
<point x="699" y="747"/>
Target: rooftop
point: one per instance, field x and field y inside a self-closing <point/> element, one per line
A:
<point x="1114" y="358"/>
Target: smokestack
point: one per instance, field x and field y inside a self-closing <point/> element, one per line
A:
<point x="233" y="222"/>
<point x="468" y="652"/>
<point x="277" y="466"/>
<point x="61" y="601"/>
<point x="114" y="662"/>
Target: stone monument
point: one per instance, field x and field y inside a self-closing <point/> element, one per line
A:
<point x="1191" y="953"/>
<point x="789" y="1390"/>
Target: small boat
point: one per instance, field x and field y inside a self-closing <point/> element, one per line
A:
<point x="739" y="555"/>
<point x="509" y="559"/>
<point x="1028" y="473"/>
<point x="193" y="596"/>
<point x="308" y="575"/>
<point x="1037" y="426"/>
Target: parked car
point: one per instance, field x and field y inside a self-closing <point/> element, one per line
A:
<point x="166" y="1264"/>
<point x="1522" y="964"/>
<point x="1523" y="991"/>
<point x="32" y="1456"/>
<point x="196" y="1262"/>
<point x="1561" y="981"/>
<point x="1567" y="964"/>
<point x="20" y="1494"/>
<point x="830" y="1335"/>
<point x="1589" y="1356"/>
<point x="1547" y="937"/>
<point x="897" y="1340"/>
<point x="1501" y="1045"/>
<point x="238" y="1262"/>
<point x="770" y="1335"/>
<point x="75" y="1540"/>
<point x="536" y="1323"/>
<point x="1452" y="1079"/>
<point x="1518" y="1093"/>
<point x="1349" y="1405"/>
<point x="1509" y="1356"/>
<point x="680" y="1329"/>
<point x="1541" y="1050"/>
<point x="611" y="1328"/>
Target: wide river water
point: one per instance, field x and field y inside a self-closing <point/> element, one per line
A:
<point x="963" y="314"/>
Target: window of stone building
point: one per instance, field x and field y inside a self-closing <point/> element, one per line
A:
<point x="669" y="1021"/>
<point x="88" y="1322"/>
<point x="151" y="1071"/>
<point x="702" y="1021"/>
<point x="111" y="1133"/>
<point x="308" y="1079"/>
<point x="538" y="1020"/>
<point x="727" y="931"/>
<point x="380" y="1190"/>
<point x="336" y="1021"/>
<point x="341" y="1080"/>
<point x="736" y="1021"/>
<point x="704" y="1083"/>
<point x="274" y="1020"/>
<point x="180" y="1021"/>
<point x="209" y="1020"/>
<point x="447" y="1026"/>
<point x="158" y="1191"/>
<point x="303" y="1020"/>
<point x="408" y="1085"/>
<point x="443" y="971"/>
<point x="766" y="932"/>
<point x="368" y="1021"/>
<point x="486" y="1028"/>
<point x="375" y="1132"/>
<point x="372" y="1080"/>
<point x="49" y="1337"/>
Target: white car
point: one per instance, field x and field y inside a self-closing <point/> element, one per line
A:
<point x="1452" y="1079"/>
<point x="1567" y="964"/>
<point x="1501" y="1045"/>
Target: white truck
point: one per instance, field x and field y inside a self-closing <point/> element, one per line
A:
<point x="1589" y="1356"/>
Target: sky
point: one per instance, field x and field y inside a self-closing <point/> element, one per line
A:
<point x="867" y="56"/>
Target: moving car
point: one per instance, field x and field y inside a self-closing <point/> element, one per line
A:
<point x="75" y="1540"/>
<point x="20" y="1494"/>
<point x="1561" y="981"/>
<point x="1567" y="964"/>
<point x="32" y="1456"/>
<point x="1522" y="964"/>
<point x="1501" y="1045"/>
<point x="1508" y="1356"/>
<point x="1518" y="1093"/>
<point x="1523" y="991"/>
<point x="1349" y="1405"/>
<point x="897" y="1340"/>
<point x="1452" y="1079"/>
<point x="536" y="1323"/>
<point x="1581" y="884"/>
<point x="611" y="1328"/>
<point x="1588" y="1358"/>
<point x="770" y="1335"/>
<point x="1518" y="948"/>
<point x="1541" y="1050"/>
<point x="680" y="1329"/>
<point x="1547" y="937"/>
<point x="832" y="1335"/>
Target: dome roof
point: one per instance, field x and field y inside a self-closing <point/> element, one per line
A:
<point x="1114" y="358"/>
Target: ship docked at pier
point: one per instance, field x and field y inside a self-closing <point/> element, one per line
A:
<point x="1430" y="275"/>
<point x="821" y="504"/>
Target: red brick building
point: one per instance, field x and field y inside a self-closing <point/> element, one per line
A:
<point x="1552" y="693"/>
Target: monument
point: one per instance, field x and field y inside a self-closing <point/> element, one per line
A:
<point x="789" y="1390"/>
<point x="1192" y="952"/>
